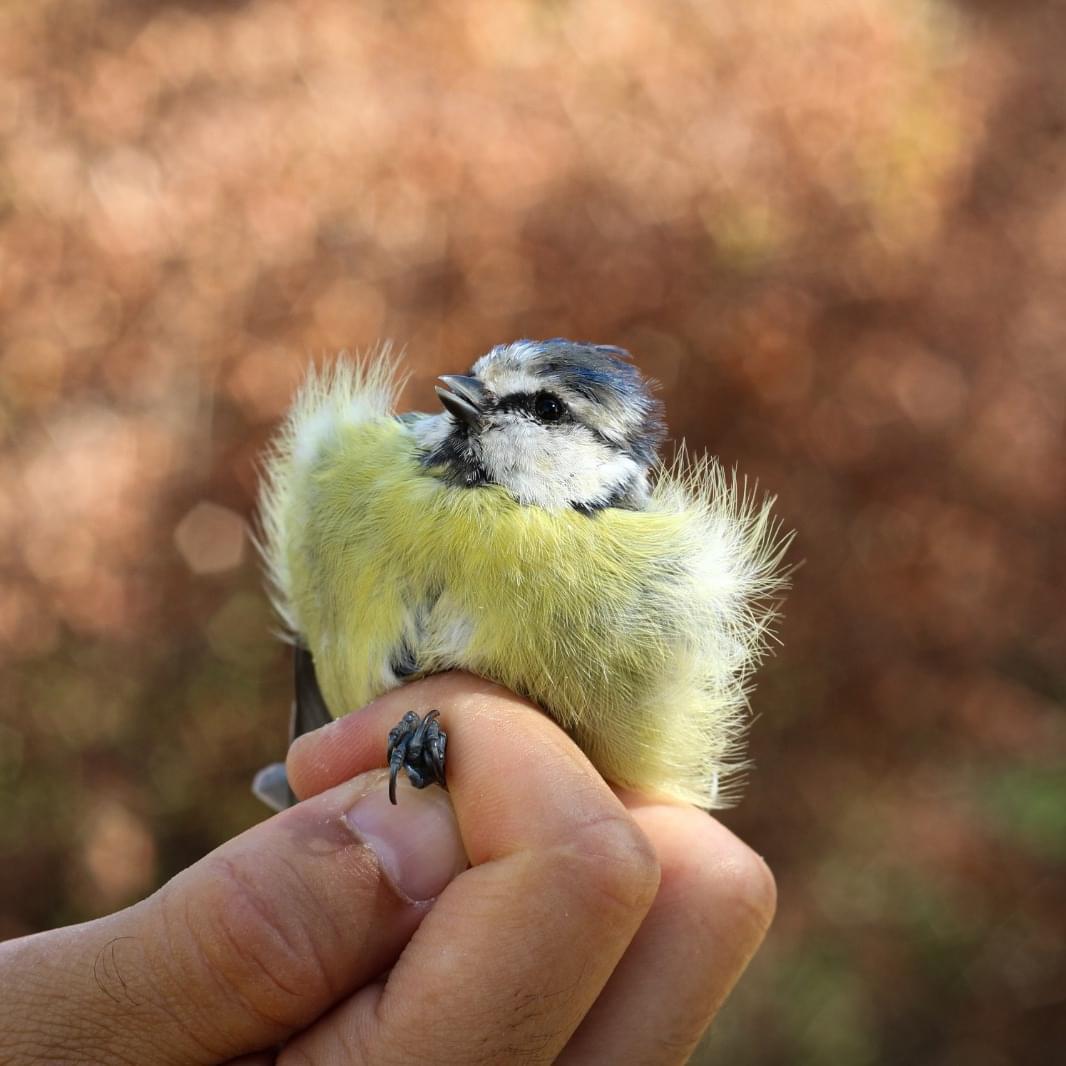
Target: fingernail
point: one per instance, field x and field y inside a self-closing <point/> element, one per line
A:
<point x="417" y="842"/>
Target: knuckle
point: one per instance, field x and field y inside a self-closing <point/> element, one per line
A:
<point x="618" y="863"/>
<point x="260" y="951"/>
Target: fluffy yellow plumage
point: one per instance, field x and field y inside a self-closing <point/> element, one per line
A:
<point x="635" y="629"/>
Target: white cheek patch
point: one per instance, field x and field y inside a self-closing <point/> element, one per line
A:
<point x="554" y="468"/>
<point x="588" y="472"/>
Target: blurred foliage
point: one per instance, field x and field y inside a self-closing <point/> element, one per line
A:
<point x="833" y="230"/>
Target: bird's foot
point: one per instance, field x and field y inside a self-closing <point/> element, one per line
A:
<point x="417" y="745"/>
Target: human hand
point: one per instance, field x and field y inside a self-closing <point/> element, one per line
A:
<point x="587" y="929"/>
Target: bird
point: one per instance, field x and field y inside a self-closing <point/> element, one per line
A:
<point x="528" y="533"/>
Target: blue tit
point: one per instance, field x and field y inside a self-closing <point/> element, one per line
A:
<point x="527" y="533"/>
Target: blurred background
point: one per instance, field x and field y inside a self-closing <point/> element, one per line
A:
<point x="834" y="230"/>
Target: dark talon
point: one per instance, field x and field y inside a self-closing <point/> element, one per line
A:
<point x="417" y="745"/>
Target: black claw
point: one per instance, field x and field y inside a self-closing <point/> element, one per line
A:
<point x="417" y="745"/>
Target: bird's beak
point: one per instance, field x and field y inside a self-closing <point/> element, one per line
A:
<point x="463" y="398"/>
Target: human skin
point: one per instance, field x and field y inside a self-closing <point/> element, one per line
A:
<point x="531" y="914"/>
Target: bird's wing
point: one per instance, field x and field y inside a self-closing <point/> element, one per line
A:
<point x="309" y="710"/>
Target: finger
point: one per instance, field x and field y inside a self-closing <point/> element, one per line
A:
<point x="355" y="743"/>
<point x="251" y="944"/>
<point x="715" y="902"/>
<point x="518" y="947"/>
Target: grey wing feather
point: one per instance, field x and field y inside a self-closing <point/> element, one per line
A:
<point x="309" y="710"/>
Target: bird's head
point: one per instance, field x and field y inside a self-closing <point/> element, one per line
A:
<point x="557" y="423"/>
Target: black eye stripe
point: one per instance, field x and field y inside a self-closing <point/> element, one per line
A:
<point x="526" y="403"/>
<point x="517" y="401"/>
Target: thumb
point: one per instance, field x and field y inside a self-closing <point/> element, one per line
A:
<point x="244" y="948"/>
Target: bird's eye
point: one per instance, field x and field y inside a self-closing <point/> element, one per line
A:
<point x="548" y="408"/>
